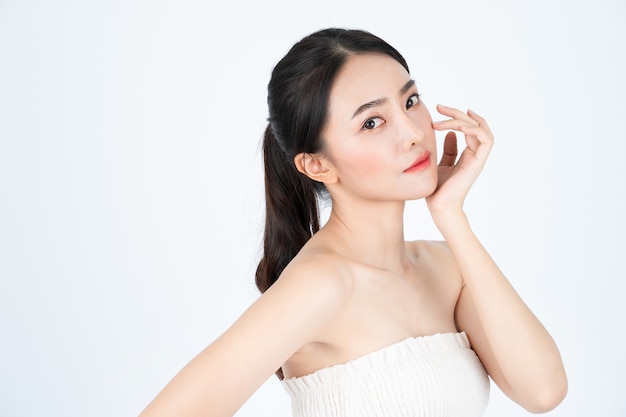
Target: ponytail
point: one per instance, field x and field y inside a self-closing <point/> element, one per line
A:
<point x="291" y="212"/>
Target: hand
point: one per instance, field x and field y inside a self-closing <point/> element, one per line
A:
<point x="457" y="177"/>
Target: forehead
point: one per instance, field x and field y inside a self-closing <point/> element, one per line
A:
<point x="366" y="77"/>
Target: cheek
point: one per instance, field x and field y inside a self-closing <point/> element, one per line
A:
<point x="368" y="162"/>
<point x="363" y="162"/>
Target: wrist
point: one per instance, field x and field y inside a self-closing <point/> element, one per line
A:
<point x="449" y="220"/>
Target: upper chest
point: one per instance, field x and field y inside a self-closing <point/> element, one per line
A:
<point x="383" y="308"/>
<point x="416" y="300"/>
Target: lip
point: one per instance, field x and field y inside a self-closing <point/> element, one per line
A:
<point x="422" y="162"/>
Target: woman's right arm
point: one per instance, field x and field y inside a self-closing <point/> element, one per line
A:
<point x="294" y="311"/>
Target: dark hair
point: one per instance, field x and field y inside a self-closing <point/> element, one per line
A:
<point x="298" y="95"/>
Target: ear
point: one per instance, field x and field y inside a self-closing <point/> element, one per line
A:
<point x="316" y="167"/>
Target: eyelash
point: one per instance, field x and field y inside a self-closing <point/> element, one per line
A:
<point x="415" y="97"/>
<point x="417" y="100"/>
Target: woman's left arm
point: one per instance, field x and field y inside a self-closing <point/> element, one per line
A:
<point x="517" y="351"/>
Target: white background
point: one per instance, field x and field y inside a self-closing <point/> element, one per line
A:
<point x="131" y="187"/>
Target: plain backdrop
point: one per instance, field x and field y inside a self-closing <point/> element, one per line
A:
<point x="131" y="198"/>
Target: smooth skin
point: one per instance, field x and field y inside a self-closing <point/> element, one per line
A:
<point x="357" y="285"/>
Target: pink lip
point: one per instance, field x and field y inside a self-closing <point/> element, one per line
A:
<point x="422" y="162"/>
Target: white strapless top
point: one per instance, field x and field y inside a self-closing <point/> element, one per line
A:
<point x="429" y="376"/>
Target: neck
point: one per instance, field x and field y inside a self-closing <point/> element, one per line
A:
<point x="371" y="233"/>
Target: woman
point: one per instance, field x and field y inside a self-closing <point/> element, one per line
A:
<point x="357" y="321"/>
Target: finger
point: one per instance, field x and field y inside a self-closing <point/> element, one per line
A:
<point x="472" y="143"/>
<point x="481" y="121"/>
<point x="481" y="134"/>
<point x="455" y="114"/>
<point x="453" y="124"/>
<point x="478" y="142"/>
<point x="450" y="150"/>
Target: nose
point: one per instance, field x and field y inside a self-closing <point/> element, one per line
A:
<point x="409" y="131"/>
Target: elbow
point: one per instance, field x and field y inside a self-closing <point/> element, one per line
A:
<point x="548" y="396"/>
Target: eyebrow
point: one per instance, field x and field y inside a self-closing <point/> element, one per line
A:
<point x="381" y="101"/>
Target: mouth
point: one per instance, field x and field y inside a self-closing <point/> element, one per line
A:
<point x="422" y="162"/>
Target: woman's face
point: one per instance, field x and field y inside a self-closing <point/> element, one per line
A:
<point x="379" y="136"/>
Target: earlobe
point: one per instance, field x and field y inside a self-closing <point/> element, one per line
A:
<point x="315" y="167"/>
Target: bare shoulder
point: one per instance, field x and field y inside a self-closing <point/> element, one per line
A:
<point x="317" y="277"/>
<point x="437" y="249"/>
<point x="437" y="255"/>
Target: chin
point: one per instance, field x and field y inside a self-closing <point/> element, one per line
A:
<point x="433" y="187"/>
<point x="422" y="193"/>
<point x="425" y="188"/>
<point x="429" y="186"/>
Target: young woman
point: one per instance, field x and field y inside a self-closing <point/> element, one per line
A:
<point x="355" y="320"/>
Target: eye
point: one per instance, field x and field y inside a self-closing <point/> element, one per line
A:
<point x="372" y="123"/>
<point x="413" y="101"/>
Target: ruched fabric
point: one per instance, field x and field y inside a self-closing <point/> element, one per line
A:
<point x="428" y="376"/>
